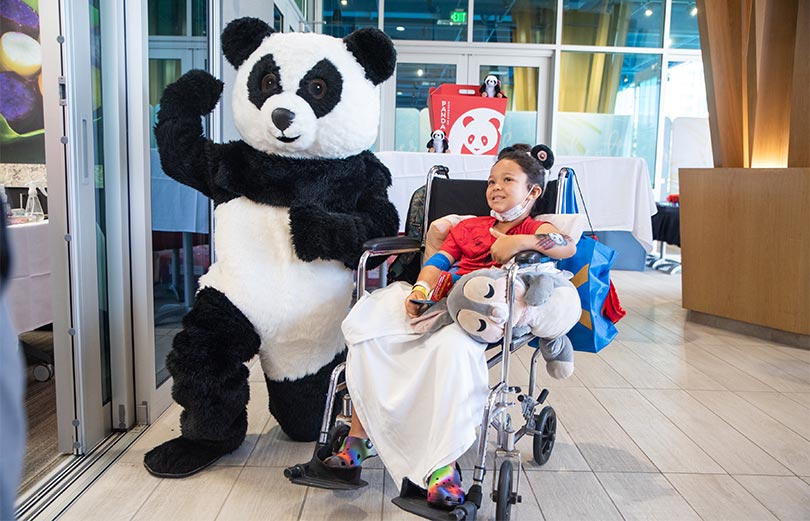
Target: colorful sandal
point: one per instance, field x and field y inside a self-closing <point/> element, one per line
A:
<point x="352" y="453"/>
<point x="444" y="488"/>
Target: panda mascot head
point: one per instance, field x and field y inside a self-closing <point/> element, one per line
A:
<point x="297" y="94"/>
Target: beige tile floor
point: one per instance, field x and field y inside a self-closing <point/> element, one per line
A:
<point x="673" y="421"/>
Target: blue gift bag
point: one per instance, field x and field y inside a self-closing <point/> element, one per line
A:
<point x="591" y="268"/>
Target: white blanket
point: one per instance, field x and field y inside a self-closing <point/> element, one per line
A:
<point x="420" y="397"/>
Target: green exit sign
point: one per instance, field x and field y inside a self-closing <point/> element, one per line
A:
<point x="458" y="17"/>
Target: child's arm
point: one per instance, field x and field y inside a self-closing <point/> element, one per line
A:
<point x="548" y="240"/>
<point x="425" y="282"/>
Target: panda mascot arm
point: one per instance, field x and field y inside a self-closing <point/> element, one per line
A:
<point x="185" y="155"/>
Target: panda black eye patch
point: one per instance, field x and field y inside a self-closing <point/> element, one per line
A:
<point x="264" y="81"/>
<point x="321" y="87"/>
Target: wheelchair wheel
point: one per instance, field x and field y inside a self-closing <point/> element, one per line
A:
<point x="503" y="501"/>
<point x="337" y="434"/>
<point x="546" y="425"/>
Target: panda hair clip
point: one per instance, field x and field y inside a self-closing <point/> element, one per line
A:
<point x="544" y="155"/>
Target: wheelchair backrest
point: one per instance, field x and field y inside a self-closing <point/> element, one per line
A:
<point x="468" y="197"/>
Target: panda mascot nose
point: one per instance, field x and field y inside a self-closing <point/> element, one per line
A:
<point x="282" y="118"/>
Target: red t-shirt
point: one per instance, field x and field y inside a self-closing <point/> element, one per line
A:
<point x="470" y="240"/>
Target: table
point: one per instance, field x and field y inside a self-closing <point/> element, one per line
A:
<point x="616" y="190"/>
<point x="666" y="226"/>
<point x="29" y="288"/>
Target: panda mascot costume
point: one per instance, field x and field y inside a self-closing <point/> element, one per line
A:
<point x="294" y="199"/>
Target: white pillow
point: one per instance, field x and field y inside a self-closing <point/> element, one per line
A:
<point x="571" y="224"/>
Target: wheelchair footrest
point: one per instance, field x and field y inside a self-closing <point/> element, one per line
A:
<point x="413" y="499"/>
<point x="315" y="473"/>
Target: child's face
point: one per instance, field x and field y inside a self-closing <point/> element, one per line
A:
<point x="508" y="186"/>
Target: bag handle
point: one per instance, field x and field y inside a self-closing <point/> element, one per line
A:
<point x="585" y="206"/>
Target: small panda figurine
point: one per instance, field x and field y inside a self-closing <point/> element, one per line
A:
<point x="491" y="88"/>
<point x="438" y="142"/>
<point x="294" y="201"/>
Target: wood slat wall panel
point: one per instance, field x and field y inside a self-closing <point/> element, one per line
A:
<point x="746" y="245"/>
<point x="799" y="152"/>
<point x="775" y="76"/>
<point x="720" y="25"/>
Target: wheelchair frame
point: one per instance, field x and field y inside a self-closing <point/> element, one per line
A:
<point x="541" y="426"/>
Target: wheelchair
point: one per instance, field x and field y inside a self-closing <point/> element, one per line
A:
<point x="443" y="197"/>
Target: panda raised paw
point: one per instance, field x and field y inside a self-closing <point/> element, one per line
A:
<point x="195" y="93"/>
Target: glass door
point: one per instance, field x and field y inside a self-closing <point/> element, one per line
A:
<point x="171" y="223"/>
<point x="525" y="78"/>
<point x="525" y="83"/>
<point x="84" y="173"/>
<point x="407" y="127"/>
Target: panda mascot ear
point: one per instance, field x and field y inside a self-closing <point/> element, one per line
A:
<point x="243" y="36"/>
<point x="374" y="51"/>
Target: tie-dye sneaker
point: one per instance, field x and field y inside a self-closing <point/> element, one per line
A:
<point x="352" y="453"/>
<point x="444" y="488"/>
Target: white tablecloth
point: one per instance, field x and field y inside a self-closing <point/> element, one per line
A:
<point x="29" y="288"/>
<point x="617" y="190"/>
<point x="175" y="206"/>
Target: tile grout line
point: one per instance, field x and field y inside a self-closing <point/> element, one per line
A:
<point x="777" y="420"/>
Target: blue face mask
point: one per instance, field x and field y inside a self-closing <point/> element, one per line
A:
<point x="515" y="212"/>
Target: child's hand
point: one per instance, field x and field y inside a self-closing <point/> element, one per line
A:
<point x="505" y="246"/>
<point x="411" y="308"/>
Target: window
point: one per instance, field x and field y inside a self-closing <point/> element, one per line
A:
<point x="341" y="17"/>
<point x="515" y="22"/>
<point x="614" y="23"/>
<point x="438" y="20"/>
<point x="609" y="105"/>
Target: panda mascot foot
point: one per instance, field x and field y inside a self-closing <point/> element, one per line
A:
<point x="182" y="457"/>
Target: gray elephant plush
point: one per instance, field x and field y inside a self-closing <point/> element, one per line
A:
<point x="546" y="304"/>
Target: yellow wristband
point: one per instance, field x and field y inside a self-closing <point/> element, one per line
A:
<point x="420" y="289"/>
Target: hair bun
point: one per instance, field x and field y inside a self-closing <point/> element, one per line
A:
<point x="543" y="154"/>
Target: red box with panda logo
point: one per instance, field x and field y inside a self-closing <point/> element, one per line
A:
<point x="471" y="122"/>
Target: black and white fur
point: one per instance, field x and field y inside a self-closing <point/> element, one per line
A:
<point x="491" y="88"/>
<point x="438" y="143"/>
<point x="294" y="201"/>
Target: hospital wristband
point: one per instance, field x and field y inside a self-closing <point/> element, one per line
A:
<point x="422" y="288"/>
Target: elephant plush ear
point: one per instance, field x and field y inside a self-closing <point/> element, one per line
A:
<point x="538" y="288"/>
<point x="243" y="36"/>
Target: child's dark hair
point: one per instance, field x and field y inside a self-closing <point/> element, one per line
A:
<point x="521" y="154"/>
<point x="526" y="158"/>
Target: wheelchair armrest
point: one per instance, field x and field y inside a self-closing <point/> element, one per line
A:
<point x="383" y="245"/>
<point x="527" y="257"/>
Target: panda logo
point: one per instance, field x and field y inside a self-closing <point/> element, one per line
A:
<point x="477" y="131"/>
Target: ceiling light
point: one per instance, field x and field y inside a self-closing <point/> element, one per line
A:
<point x="399" y="93"/>
<point x="344" y="2"/>
<point x="648" y="11"/>
<point x="419" y="72"/>
<point x="400" y="28"/>
<point x="693" y="11"/>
